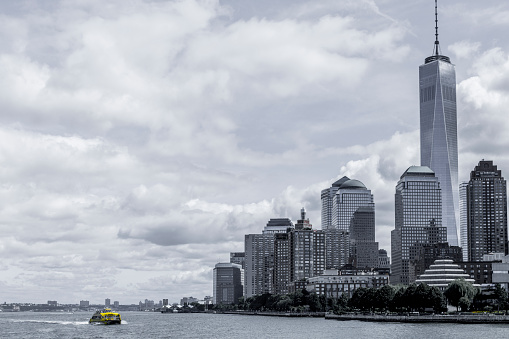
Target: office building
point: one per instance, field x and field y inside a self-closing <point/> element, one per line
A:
<point x="485" y="198"/>
<point x="259" y="257"/>
<point x="346" y="206"/>
<point x="384" y="262"/>
<point x="227" y="283"/>
<point x="480" y="271"/>
<point x="334" y="283"/>
<point x="438" y="129"/>
<point x="107" y="302"/>
<point x="278" y="225"/>
<point x="282" y="263"/>
<point x="238" y="258"/>
<point x="418" y="218"/>
<point x="259" y="249"/>
<point x="351" y="195"/>
<point x="337" y="249"/>
<point x="464" y="220"/>
<point x="363" y="248"/>
<point x="299" y="254"/>
<point x="327" y="198"/>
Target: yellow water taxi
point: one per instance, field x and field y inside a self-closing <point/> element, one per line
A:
<point x="106" y="317"/>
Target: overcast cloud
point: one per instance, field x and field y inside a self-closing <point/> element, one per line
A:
<point x="140" y="140"/>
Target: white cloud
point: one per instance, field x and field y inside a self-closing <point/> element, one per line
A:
<point x="464" y="49"/>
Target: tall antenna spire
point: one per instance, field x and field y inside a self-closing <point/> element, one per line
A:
<point x="436" y="29"/>
<point x="436" y="50"/>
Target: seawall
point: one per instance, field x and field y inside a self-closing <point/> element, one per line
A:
<point x="459" y="319"/>
<point x="278" y="314"/>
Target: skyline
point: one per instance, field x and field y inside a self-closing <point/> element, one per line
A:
<point x="142" y="141"/>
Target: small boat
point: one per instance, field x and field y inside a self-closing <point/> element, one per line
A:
<point x="106" y="317"/>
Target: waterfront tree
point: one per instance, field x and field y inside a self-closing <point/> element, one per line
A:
<point x="284" y="303"/>
<point x="464" y="304"/>
<point x="501" y="297"/>
<point x="409" y="297"/>
<point x="357" y="299"/>
<point x="384" y="297"/>
<point x="342" y="304"/>
<point x="439" y="301"/>
<point x="423" y="297"/>
<point x="398" y="301"/>
<point x="458" y="289"/>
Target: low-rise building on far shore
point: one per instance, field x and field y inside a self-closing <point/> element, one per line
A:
<point x="334" y="283"/>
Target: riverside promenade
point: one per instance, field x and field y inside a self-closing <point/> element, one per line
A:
<point x="278" y="314"/>
<point x="437" y="318"/>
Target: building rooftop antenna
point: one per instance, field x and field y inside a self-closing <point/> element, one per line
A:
<point x="436" y="50"/>
<point x="437" y="44"/>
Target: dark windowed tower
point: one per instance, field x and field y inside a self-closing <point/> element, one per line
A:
<point x="363" y="248"/>
<point x="438" y="125"/>
<point x="227" y="283"/>
<point x="486" y="201"/>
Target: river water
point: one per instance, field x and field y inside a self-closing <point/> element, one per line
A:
<point x="172" y="325"/>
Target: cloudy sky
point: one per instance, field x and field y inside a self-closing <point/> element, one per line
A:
<point x="141" y="139"/>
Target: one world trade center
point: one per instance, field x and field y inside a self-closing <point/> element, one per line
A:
<point x="439" y="142"/>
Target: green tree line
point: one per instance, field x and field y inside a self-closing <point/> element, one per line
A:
<point x="460" y="293"/>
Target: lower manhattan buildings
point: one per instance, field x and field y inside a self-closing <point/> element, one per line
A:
<point x="363" y="248"/>
<point x="418" y="218"/>
<point x="259" y="257"/>
<point x="283" y="255"/>
<point x="227" y="283"/>
<point x="298" y="254"/>
<point x="484" y="210"/>
<point x="348" y="219"/>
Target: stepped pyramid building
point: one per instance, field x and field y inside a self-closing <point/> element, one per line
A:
<point x="441" y="273"/>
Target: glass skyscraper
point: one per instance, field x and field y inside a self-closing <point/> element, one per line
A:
<point x="227" y="283"/>
<point x="340" y="212"/>
<point x="327" y="198"/>
<point x="351" y="195"/>
<point x="418" y="212"/>
<point x="439" y="144"/>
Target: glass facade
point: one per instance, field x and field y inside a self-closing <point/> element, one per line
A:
<point x="350" y="196"/>
<point x="464" y="220"/>
<point x="227" y="283"/>
<point x="363" y="248"/>
<point x="438" y="124"/>
<point x="327" y="198"/>
<point x="340" y="203"/>
<point x="418" y="212"/>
